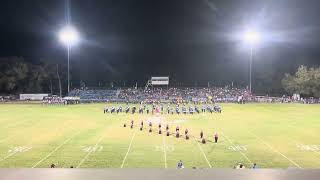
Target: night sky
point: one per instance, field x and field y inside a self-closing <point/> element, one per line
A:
<point x="192" y="41"/>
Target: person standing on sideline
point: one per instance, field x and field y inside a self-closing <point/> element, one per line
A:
<point x="255" y="166"/>
<point x="180" y="165"/>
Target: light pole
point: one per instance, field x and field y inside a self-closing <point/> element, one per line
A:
<point x="251" y="37"/>
<point x="69" y="37"/>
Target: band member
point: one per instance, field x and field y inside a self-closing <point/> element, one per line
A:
<point x="177" y="110"/>
<point x="131" y="124"/>
<point x="184" y="110"/>
<point x="216" y="137"/>
<point x="133" y="109"/>
<point x="177" y="134"/>
<point x="105" y="110"/>
<point x="186" y="132"/>
<point x="203" y="140"/>
<point x="141" y="125"/>
<point x="112" y="109"/>
<point x="167" y="127"/>
<point x="150" y="126"/>
<point x="127" y="109"/>
<point x="140" y="110"/>
<point x="124" y="125"/>
<point x="201" y="134"/>
<point x="177" y="128"/>
<point x="203" y="108"/>
<point x="197" y="109"/>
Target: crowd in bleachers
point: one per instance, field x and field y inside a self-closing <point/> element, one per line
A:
<point x="181" y="95"/>
<point x="175" y="95"/>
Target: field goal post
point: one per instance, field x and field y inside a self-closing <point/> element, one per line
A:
<point x="157" y="81"/>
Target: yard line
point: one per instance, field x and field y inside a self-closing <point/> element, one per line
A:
<point x="274" y="150"/>
<point x="57" y="148"/>
<point x="244" y="155"/>
<point x="164" y="150"/>
<point x="204" y="155"/>
<point x="89" y="152"/>
<point x="125" y="157"/>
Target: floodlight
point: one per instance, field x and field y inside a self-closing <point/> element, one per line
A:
<point x="69" y="36"/>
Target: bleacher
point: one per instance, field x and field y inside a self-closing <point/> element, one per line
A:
<point x="160" y="95"/>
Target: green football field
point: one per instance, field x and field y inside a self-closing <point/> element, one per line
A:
<point x="271" y="135"/>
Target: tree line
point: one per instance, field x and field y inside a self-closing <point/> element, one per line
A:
<point x="47" y="76"/>
<point x="305" y="81"/>
<point x="19" y="76"/>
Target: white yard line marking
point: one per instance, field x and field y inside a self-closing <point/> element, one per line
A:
<point x="204" y="155"/>
<point x="274" y="150"/>
<point x="57" y="148"/>
<point x="244" y="155"/>
<point x="164" y="151"/>
<point x="89" y="152"/>
<point x="125" y="157"/>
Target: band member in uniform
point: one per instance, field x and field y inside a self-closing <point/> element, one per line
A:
<point x="177" y="110"/>
<point x="186" y="132"/>
<point x="127" y="109"/>
<point x="131" y="124"/>
<point x="150" y="126"/>
<point x="216" y="137"/>
<point x="201" y="134"/>
<point x="141" y="125"/>
<point x="133" y="109"/>
<point x="112" y="110"/>
<point x="177" y="128"/>
<point x="105" y="110"/>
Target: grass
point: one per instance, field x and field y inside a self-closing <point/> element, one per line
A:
<point x="272" y="135"/>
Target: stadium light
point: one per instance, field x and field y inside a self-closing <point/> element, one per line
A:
<point x="69" y="37"/>
<point x="252" y="37"/>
